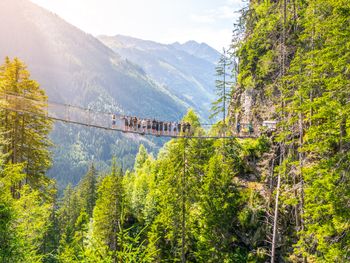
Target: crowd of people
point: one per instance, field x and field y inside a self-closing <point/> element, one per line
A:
<point x="149" y="126"/>
<point x="161" y="128"/>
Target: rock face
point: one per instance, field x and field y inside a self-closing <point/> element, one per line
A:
<point x="251" y="105"/>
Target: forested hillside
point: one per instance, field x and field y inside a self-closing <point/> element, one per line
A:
<point x="187" y="71"/>
<point x="294" y="67"/>
<point x="280" y="197"/>
<point x="74" y="67"/>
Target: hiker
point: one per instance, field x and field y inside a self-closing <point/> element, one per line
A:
<point x="131" y="123"/>
<point x="157" y="128"/>
<point x="188" y="126"/>
<point x="174" y="128"/>
<point x="250" y="128"/>
<point x="165" y="128"/>
<point x="184" y="125"/>
<point x="144" y="125"/>
<point x="114" y="122"/>
<point x="149" y="125"/>
<point x="238" y="127"/>
<point x="139" y="125"/>
<point x="135" y="123"/>
<point x="170" y="127"/>
<point x="154" y="126"/>
<point x="125" y="123"/>
<point x="161" y="125"/>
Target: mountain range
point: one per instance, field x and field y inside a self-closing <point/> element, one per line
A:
<point x="185" y="70"/>
<point x="115" y="74"/>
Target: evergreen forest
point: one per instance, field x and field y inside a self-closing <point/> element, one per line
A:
<point x="283" y="196"/>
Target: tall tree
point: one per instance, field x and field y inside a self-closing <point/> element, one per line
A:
<point x="108" y="215"/>
<point x="87" y="189"/>
<point x="26" y="132"/>
<point x="223" y="86"/>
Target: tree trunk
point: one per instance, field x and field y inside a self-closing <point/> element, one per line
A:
<point x="275" y="219"/>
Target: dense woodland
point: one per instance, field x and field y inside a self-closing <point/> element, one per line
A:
<point x="283" y="197"/>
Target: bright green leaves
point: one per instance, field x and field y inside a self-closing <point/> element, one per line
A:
<point x="26" y="136"/>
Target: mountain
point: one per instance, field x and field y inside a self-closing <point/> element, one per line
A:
<point x="200" y="50"/>
<point x="185" y="70"/>
<point x="76" y="68"/>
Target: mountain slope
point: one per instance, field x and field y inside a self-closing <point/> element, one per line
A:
<point x="75" y="67"/>
<point x="200" y="50"/>
<point x="186" y="71"/>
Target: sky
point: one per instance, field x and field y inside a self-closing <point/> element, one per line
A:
<point x="164" y="21"/>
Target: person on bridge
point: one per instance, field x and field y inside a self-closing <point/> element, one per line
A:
<point x="139" y="123"/>
<point x="131" y="123"/>
<point x="125" y="123"/>
<point x="154" y="126"/>
<point x="135" y="123"/>
<point x="165" y="128"/>
<point x="174" y="128"/>
<point x="179" y="127"/>
<point x="238" y="127"/>
<point x="250" y="128"/>
<point x="144" y="125"/>
<point x="114" y="121"/>
<point x="188" y="128"/>
<point x="157" y="128"/>
<point x="161" y="125"/>
<point x="149" y="126"/>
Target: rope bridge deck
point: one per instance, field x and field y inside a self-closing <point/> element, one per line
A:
<point x="100" y="120"/>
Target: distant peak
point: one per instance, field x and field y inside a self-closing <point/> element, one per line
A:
<point x="192" y="42"/>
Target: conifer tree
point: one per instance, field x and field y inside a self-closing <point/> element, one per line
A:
<point x="108" y="215"/>
<point x="223" y="86"/>
<point x="141" y="157"/>
<point x="11" y="249"/>
<point x="86" y="191"/>
<point x="26" y="134"/>
<point x="67" y="214"/>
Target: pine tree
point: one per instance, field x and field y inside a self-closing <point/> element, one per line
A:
<point x="141" y="157"/>
<point x="108" y="215"/>
<point x="26" y="134"/>
<point x="223" y="86"/>
<point x="68" y="214"/>
<point x="11" y="250"/>
<point x="86" y="191"/>
<point x="219" y="207"/>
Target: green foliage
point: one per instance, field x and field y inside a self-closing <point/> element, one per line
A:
<point x="87" y="191"/>
<point x="9" y="236"/>
<point x="223" y="86"/>
<point x="300" y="68"/>
<point x="202" y="200"/>
<point x="26" y="136"/>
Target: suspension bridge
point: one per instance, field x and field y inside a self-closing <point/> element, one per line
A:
<point x="103" y="120"/>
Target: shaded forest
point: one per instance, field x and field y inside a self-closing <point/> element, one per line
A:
<point x="282" y="197"/>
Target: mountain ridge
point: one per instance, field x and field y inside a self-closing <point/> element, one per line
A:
<point x="78" y="69"/>
<point x="182" y="70"/>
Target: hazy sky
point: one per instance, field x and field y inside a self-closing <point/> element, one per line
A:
<point x="165" y="21"/>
